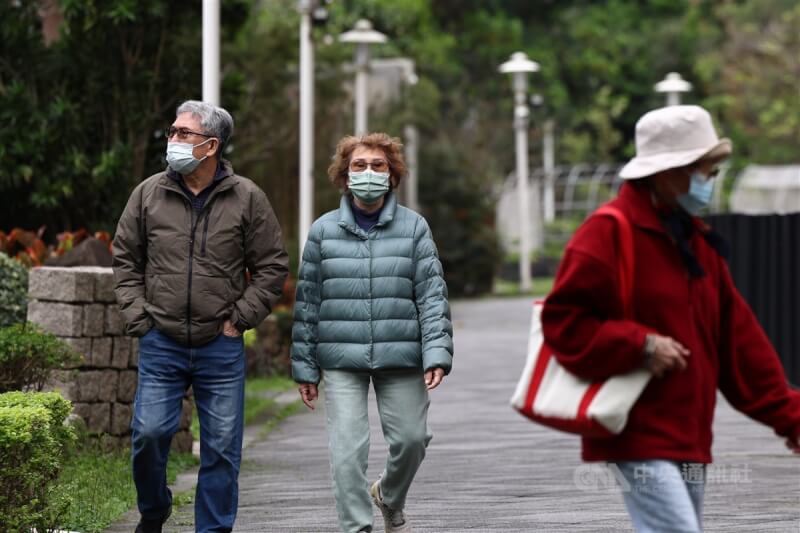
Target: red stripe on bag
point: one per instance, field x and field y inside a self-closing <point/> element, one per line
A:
<point x="588" y="396"/>
<point x="538" y="374"/>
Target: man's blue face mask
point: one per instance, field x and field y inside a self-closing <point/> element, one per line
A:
<point x="701" y="188"/>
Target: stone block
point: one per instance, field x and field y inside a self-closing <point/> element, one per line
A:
<point x="94" y="317"/>
<point x="61" y="284"/>
<point x="126" y="390"/>
<point x="63" y="381"/>
<point x="182" y="442"/>
<point x="120" y="418"/>
<point x="64" y="320"/>
<point x="113" y="321"/>
<point x="88" y="385"/>
<point x="107" y="388"/>
<point x="103" y="284"/>
<point x="83" y="347"/>
<point x="96" y="415"/>
<point x="101" y="352"/>
<point x="121" y="352"/>
<point x="134" y="360"/>
<point x="186" y="414"/>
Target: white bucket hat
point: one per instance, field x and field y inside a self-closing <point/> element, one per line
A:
<point x="672" y="137"/>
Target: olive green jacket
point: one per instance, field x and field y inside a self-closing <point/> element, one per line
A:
<point x="183" y="272"/>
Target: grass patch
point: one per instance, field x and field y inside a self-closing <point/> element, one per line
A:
<point x="98" y="487"/>
<point x="540" y="287"/>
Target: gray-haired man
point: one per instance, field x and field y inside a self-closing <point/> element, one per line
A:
<point x="181" y="252"/>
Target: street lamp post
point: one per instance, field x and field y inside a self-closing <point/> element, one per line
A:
<point x="306" y="177"/>
<point x="673" y="85"/>
<point x="211" y="51"/>
<point x="519" y="66"/>
<point x="362" y="35"/>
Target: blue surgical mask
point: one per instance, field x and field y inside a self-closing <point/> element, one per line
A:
<point x="368" y="186"/>
<point x="180" y="157"/>
<point x="699" y="196"/>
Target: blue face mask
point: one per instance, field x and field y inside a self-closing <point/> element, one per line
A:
<point x="699" y="195"/>
<point x="180" y="157"/>
<point x="368" y="186"/>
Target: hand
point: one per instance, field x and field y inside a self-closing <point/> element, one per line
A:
<point x="433" y="377"/>
<point x="308" y="393"/>
<point x="229" y="330"/>
<point x="667" y="355"/>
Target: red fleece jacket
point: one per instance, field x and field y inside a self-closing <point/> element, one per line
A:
<point x="582" y="321"/>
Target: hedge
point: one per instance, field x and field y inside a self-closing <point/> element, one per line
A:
<point x="13" y="291"/>
<point x="28" y="355"/>
<point x="33" y="440"/>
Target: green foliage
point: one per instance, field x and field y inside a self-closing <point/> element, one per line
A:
<point x="461" y="215"/>
<point x="749" y="68"/>
<point x="13" y="292"/>
<point x="33" y="440"/>
<point x="80" y="112"/>
<point x="96" y="487"/>
<point x="28" y="355"/>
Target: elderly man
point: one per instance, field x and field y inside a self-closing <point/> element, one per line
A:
<point x="181" y="252"/>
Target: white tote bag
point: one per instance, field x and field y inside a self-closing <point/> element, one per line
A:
<point x="550" y="395"/>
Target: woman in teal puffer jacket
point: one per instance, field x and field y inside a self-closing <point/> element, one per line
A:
<point x="371" y="306"/>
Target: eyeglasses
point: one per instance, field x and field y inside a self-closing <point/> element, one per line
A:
<point x="377" y="165"/>
<point x="182" y="133"/>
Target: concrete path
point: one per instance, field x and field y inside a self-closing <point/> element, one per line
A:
<point x="488" y="469"/>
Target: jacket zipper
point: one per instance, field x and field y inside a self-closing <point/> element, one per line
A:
<point x="195" y="223"/>
<point x="189" y="270"/>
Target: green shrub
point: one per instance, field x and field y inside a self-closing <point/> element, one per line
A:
<point x="28" y="355"/>
<point x="33" y="439"/>
<point x="13" y="291"/>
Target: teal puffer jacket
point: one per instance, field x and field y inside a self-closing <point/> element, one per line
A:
<point x="370" y="300"/>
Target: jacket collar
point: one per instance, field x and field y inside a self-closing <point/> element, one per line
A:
<point x="171" y="179"/>
<point x="347" y="219"/>
<point x="637" y="203"/>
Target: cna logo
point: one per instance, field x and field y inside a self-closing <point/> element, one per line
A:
<point x="595" y="477"/>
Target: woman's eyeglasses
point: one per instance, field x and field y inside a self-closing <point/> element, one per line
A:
<point x="182" y="133"/>
<point x="377" y="165"/>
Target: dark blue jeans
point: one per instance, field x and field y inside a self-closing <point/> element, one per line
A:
<point x="216" y="373"/>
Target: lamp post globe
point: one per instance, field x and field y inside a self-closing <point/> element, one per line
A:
<point x="673" y="85"/>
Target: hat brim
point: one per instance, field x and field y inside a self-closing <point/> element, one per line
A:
<point x="641" y="167"/>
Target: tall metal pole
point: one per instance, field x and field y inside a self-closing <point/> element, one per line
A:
<point x="306" y="123"/>
<point x="412" y="142"/>
<point x="521" y="114"/>
<point x="548" y="159"/>
<point x="362" y="75"/>
<point x="519" y="66"/>
<point x="211" y="51"/>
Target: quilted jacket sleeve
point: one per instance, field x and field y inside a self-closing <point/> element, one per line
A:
<point x="305" y="368"/>
<point x="430" y="295"/>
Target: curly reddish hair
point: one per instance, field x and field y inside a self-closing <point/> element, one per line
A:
<point x="390" y="146"/>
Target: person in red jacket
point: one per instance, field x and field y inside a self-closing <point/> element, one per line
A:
<point x="692" y="329"/>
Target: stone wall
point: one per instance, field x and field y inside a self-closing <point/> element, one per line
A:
<point x="78" y="305"/>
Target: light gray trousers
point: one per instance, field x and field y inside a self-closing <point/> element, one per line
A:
<point x="403" y="407"/>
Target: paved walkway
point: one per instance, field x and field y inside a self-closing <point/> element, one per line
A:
<point x="488" y="469"/>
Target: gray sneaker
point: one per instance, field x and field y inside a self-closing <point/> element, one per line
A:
<point x="394" y="520"/>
